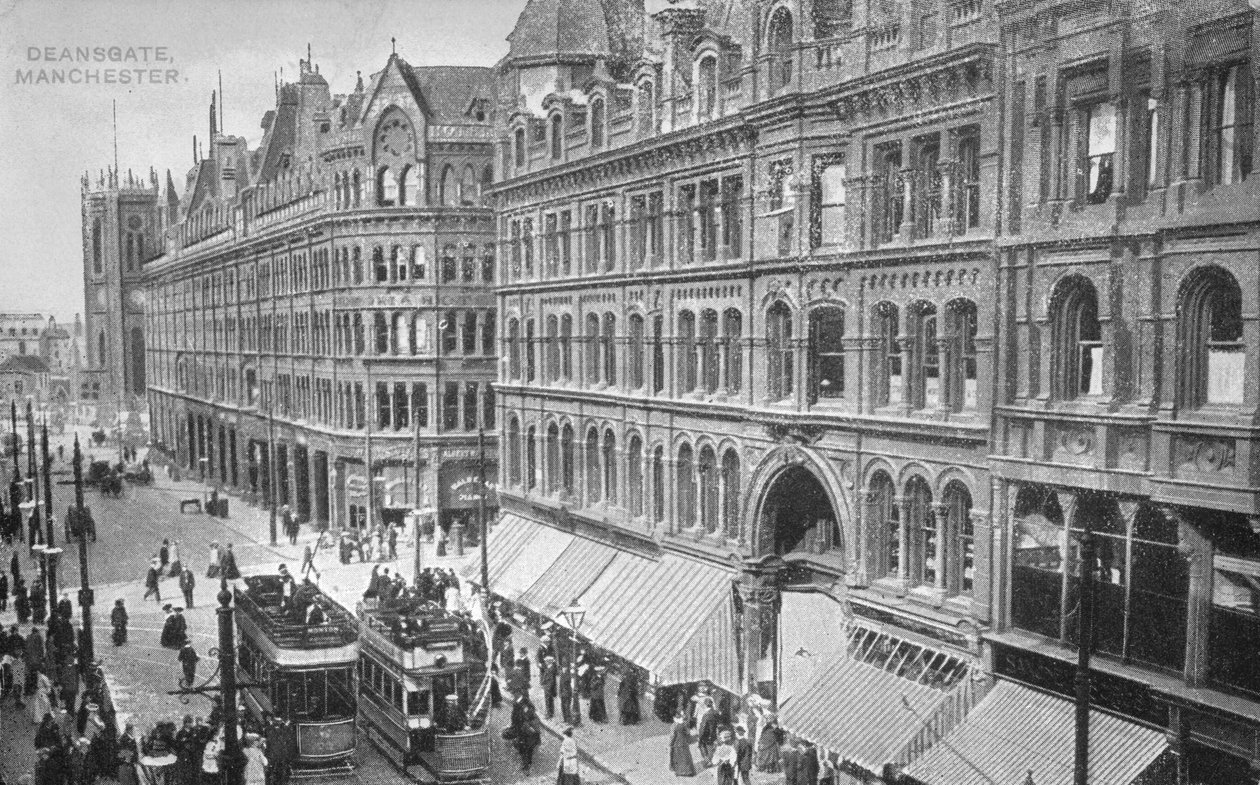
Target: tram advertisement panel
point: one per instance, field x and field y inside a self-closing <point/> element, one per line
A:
<point x="319" y="740"/>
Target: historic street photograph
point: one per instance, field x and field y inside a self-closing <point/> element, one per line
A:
<point x="630" y="392"/>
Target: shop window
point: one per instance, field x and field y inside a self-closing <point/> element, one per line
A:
<point x="1212" y="361"/>
<point x="826" y="353"/>
<point x="1077" y="340"/>
<point x="780" y="365"/>
<point x="1234" y="635"/>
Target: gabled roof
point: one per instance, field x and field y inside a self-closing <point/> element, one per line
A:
<point x="24" y="363"/>
<point x="559" y="29"/>
<point x="448" y="91"/>
<point x="281" y="136"/>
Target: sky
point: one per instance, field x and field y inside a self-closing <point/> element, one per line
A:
<point x="52" y="133"/>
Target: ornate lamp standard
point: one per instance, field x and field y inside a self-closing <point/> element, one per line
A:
<point x="574" y="615"/>
<point x="81" y="526"/>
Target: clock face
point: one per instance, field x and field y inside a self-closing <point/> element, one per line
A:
<point x="395" y="138"/>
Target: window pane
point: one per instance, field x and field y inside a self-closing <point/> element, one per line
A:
<point x="1037" y="577"/>
<point x="1102" y="130"/>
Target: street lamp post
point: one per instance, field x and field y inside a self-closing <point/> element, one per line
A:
<point x="271" y="471"/>
<point x="574" y="615"/>
<point x="32" y="475"/>
<point x="481" y="512"/>
<point x="233" y="768"/>
<point x="48" y="521"/>
<point x="80" y="525"/>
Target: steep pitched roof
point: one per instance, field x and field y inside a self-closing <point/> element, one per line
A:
<point x="24" y="363"/>
<point x="448" y="90"/>
<point x="560" y="28"/>
<point x="281" y="136"/>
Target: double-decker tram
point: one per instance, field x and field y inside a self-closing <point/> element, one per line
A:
<point x="300" y="654"/>
<point x="422" y="690"/>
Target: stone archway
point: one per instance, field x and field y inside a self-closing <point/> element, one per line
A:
<point x="790" y="491"/>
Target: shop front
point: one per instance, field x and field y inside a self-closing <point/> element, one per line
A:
<point x="460" y="493"/>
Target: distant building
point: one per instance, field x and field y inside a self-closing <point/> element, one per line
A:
<point x="25" y="376"/>
<point x="21" y="334"/>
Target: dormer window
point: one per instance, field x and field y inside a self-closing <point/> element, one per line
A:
<point x="597" y="123"/>
<point x="706" y="87"/>
<point x="557" y="133"/>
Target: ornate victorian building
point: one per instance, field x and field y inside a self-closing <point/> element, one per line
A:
<point x="829" y="327"/>
<point x="323" y="303"/>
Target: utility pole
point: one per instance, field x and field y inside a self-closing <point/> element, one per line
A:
<point x="52" y="551"/>
<point x="1085" y="642"/>
<point x="80" y="525"/>
<point x="481" y="514"/>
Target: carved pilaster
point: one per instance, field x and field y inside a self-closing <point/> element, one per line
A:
<point x="758" y="589"/>
<point x="1199" y="553"/>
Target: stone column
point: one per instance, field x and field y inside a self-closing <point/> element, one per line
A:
<point x="1067" y="503"/>
<point x="1199" y="552"/>
<point x="758" y="589"/>
<point x="903" y="539"/>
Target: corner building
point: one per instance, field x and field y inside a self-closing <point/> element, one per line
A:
<point x="746" y="292"/>
<point x="322" y="320"/>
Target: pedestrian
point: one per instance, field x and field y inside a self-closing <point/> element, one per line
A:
<point x="80" y="765"/>
<point x="806" y="764"/>
<point x="186" y="585"/>
<point x="767" y="746"/>
<point x="169" y="637"/>
<point x="707" y="731"/>
<point x="524" y="730"/>
<point x="118" y="619"/>
<point x="547" y="675"/>
<point x="598" y="709"/>
<point x="290" y="525"/>
<point x="228" y="564"/>
<point x="790" y="760"/>
<point x="725" y="759"/>
<point x="151" y="582"/>
<point x="177" y="568"/>
<point x="210" y="760"/>
<point x="164" y="555"/>
<point x="39" y="609"/>
<point x="279" y="746"/>
<point x="212" y="569"/>
<point x="628" y="698"/>
<point x="47" y="734"/>
<point x="378" y="544"/>
<point x="41" y="703"/>
<point x="680" y="760"/>
<point x="308" y="563"/>
<point x="188" y="659"/>
<point x="743" y="755"/>
<point x="4" y="592"/>
<point x="15" y="567"/>
<point x="128" y="755"/>
<point x="187" y="755"/>
<point x="568" y="773"/>
<point x="255" y="764"/>
<point x="393" y="543"/>
<point x="21" y="602"/>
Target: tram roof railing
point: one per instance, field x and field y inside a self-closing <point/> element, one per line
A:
<point x="287" y="629"/>
<point x="433" y="633"/>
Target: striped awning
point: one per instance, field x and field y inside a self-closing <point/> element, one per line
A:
<point x="673" y="617"/>
<point x="569" y="576"/>
<point x="519" y="550"/>
<point x="1017" y="729"/>
<point x="867" y="715"/>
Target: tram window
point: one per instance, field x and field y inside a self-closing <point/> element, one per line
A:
<point x="418" y="703"/>
<point x="397" y="699"/>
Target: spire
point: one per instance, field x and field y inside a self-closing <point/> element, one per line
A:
<point x="358" y="85"/>
<point x="221" y="126"/>
<point x="214" y="117"/>
<point x="393" y="42"/>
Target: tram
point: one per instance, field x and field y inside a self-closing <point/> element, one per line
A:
<point x="422" y="690"/>
<point x="301" y="672"/>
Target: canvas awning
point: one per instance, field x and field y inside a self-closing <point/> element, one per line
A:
<point x="569" y="576"/>
<point x="519" y="551"/>
<point x="1017" y="729"/>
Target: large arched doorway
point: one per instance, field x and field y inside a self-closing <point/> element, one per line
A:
<point x="797" y="515"/>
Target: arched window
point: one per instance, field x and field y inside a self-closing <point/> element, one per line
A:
<point x="609" y="349"/>
<point x="487" y="180"/>
<point x="658" y="484"/>
<point x="398" y="262"/>
<point x="514" y="451"/>
<point x="468" y="187"/>
<point x="706" y="87"/>
<point x="358" y="188"/>
<point x="710" y="370"/>
<point x="557" y="136"/>
<point x="884" y="519"/>
<point x="409" y="190"/>
<point x="597" y="123"/>
<point x="552" y="341"/>
<point x="887" y="376"/>
<point x="685" y="489"/>
<point x="518" y="147"/>
<point x="634" y="363"/>
<point x="594" y="475"/>
<point x="96" y="246"/>
<point x="449" y="195"/>
<point x="386" y="188"/>
<point x="566" y="347"/>
<point x="514" y="349"/>
<point x="922" y="532"/>
<point x="553" y="459"/>
<point x="686" y="352"/>
<point x="400" y="335"/>
<point x="826" y="353"/>
<point x="732" y="351"/>
<point x="380" y="270"/>
<point x="419" y="262"/>
<point x="1213" y="356"/>
<point x="634" y="468"/>
<point x="357" y="267"/>
<point x="780" y="365"/>
<point x="609" y="460"/>
<point x="708" y="489"/>
<point x="646" y="97"/>
<point x="101" y="358"/>
<point x="531" y="458"/>
<point x="730" y="494"/>
<point x="925" y="366"/>
<point x="592" y="348"/>
<point x="959" y="385"/>
<point x="960" y="534"/>
<point x="337" y="195"/>
<point x="781" y="46"/>
<point x="566" y="459"/>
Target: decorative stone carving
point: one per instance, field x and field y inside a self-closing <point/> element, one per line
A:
<point x="1205" y="455"/>
<point x="1076" y="440"/>
<point x="794" y="433"/>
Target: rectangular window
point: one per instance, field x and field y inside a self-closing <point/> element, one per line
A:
<point x="608" y="235"/>
<point x="487" y="409"/>
<point x="1150" y="137"/>
<point x="967" y="187"/>
<point x="420" y="403"/>
<point x="551" y="246"/>
<point x="527" y="244"/>
<point x="658" y="355"/>
<point x="708" y="219"/>
<point x="637" y="238"/>
<point x="686" y="224"/>
<point x="827" y="227"/>
<point x="890" y="193"/>
<point x="470" y="406"/>
<point x="655" y="225"/>
<point x="531" y="365"/>
<point x="402" y="408"/>
<point x="1100" y="149"/>
<point x="592" y="238"/>
<point x="487" y="333"/>
<point x="1230" y="117"/>
<point x="732" y="216"/>
<point x="566" y="241"/>
<point x="450" y="406"/>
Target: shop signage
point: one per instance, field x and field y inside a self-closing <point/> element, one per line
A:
<point x="356" y="485"/>
<point x="461" y="485"/>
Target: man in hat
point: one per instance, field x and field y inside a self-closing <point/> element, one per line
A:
<point x="548" y="674"/>
<point x="453" y="717"/>
<point x="151" y="582"/>
<point x="598" y="708"/>
<point x="118" y="619"/>
<point x="743" y="755"/>
<point x="186" y="584"/>
<point x="290" y="524"/>
<point x="169" y="637"/>
<point x="188" y="660"/>
<point x="525" y="733"/>
<point x="287" y="587"/>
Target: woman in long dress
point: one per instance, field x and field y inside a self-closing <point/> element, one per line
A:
<point x="212" y="571"/>
<point x="568" y="772"/>
<point x="128" y="755"/>
<point x="41" y="702"/>
<point x="725" y="759"/>
<point x="176" y="566"/>
<point x="767" y="745"/>
<point x="680" y="760"/>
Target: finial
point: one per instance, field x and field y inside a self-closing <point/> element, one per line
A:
<point x="393" y="42"/>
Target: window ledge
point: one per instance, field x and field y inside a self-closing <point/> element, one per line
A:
<point x="927" y="595"/>
<point x="893" y="586"/>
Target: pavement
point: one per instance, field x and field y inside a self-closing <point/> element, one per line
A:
<point x="141" y="673"/>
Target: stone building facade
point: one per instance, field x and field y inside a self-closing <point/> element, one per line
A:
<point x="324" y="302"/>
<point x="862" y="309"/>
